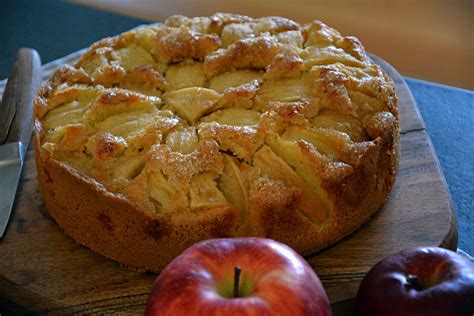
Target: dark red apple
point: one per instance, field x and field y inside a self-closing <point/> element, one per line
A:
<point x="238" y="276"/>
<point x="419" y="281"/>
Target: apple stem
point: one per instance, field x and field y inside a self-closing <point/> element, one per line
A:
<point x="237" y="272"/>
<point x="414" y="282"/>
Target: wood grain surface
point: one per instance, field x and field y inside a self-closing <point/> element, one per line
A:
<point x="44" y="271"/>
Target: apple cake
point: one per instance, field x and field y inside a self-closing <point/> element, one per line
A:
<point x="220" y="126"/>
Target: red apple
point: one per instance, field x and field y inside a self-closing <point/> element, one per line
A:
<point x="238" y="276"/>
<point x="419" y="281"/>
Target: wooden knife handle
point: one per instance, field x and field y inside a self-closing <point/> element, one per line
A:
<point x="16" y="111"/>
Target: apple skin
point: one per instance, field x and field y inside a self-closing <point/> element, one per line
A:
<point x="275" y="280"/>
<point x="445" y="287"/>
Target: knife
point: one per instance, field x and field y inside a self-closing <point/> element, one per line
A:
<point x="16" y="120"/>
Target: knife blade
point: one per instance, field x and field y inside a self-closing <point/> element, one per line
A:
<point x="16" y="120"/>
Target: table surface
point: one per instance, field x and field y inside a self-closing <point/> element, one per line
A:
<point x="56" y="29"/>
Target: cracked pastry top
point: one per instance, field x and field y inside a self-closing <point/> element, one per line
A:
<point x="214" y="127"/>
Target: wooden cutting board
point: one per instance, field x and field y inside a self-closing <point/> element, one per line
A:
<point x="43" y="270"/>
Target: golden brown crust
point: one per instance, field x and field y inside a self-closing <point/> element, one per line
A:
<point x="115" y="227"/>
<point x="216" y="126"/>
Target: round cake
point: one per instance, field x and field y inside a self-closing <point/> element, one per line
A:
<point x="220" y="126"/>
